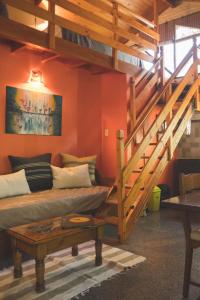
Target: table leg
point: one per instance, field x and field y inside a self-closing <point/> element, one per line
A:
<point x="74" y="250"/>
<point x="98" y="248"/>
<point x="188" y="254"/>
<point x="17" y="263"/>
<point x="39" y="269"/>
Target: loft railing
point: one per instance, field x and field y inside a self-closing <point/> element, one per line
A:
<point x="107" y="22"/>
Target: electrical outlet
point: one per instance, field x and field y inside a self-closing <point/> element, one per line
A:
<point x="106" y="132"/>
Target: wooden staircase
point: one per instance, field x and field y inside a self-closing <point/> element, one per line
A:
<point x="154" y="137"/>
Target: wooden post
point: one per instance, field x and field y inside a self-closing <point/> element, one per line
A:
<point x="155" y="13"/>
<point x="168" y="92"/>
<point x="174" y="43"/>
<point x="121" y="184"/>
<point x="115" y="36"/>
<point x="132" y="103"/>
<point x="155" y="18"/>
<point x="170" y="141"/>
<point x="195" y="59"/>
<point x="162" y="66"/>
<point x="51" y="27"/>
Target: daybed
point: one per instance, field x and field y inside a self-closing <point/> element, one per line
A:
<point x="46" y="204"/>
<point x="37" y="190"/>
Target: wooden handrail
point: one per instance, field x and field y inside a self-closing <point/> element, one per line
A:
<point x="91" y="16"/>
<point x="29" y="8"/>
<point x="157" y="123"/>
<point x="136" y="16"/>
<point x="168" y="71"/>
<point x="140" y="27"/>
<point x="106" y="6"/>
<point x="141" y="199"/>
<point x="166" y="136"/>
<point x="181" y="39"/>
<point x="150" y="71"/>
<point x="145" y="114"/>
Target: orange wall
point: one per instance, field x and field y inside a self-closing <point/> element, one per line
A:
<point x="91" y="103"/>
<point x="89" y="115"/>
<point x="114" y="117"/>
<point x="14" y="71"/>
<point x="101" y="105"/>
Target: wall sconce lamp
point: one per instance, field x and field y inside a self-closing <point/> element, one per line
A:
<point x="36" y="79"/>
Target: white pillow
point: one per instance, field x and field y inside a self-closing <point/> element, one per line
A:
<point x="71" y="177"/>
<point x="14" y="184"/>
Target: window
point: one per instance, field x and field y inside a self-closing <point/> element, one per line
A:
<point x="169" y="59"/>
<point x="181" y="48"/>
<point x="185" y="31"/>
<point x="174" y="52"/>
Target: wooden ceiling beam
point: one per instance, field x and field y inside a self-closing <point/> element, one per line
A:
<point x="15" y="46"/>
<point x="53" y="57"/>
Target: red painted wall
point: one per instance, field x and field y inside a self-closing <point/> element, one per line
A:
<point x="101" y="105"/>
<point x="91" y="104"/>
<point x="89" y="115"/>
<point x="114" y="117"/>
<point x="14" y="71"/>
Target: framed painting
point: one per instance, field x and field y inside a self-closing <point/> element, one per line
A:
<point x="33" y="112"/>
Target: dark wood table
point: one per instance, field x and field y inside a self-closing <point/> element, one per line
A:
<point x="188" y="204"/>
<point x="38" y="245"/>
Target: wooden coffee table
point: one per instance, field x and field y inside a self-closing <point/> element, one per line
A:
<point x="38" y="245"/>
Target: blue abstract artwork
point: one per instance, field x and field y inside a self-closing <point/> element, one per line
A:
<point x="33" y="112"/>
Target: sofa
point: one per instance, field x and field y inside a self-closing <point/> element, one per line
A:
<point x="46" y="203"/>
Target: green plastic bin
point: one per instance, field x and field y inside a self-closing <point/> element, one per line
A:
<point x="154" y="203"/>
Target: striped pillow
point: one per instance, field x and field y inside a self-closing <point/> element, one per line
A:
<point x="37" y="169"/>
<point x="73" y="161"/>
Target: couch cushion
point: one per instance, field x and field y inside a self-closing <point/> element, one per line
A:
<point x="37" y="169"/>
<point x="18" y="183"/>
<point x="71" y="177"/>
<point x="69" y="160"/>
<point x="48" y="204"/>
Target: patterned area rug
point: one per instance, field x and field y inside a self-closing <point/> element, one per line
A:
<point x="66" y="276"/>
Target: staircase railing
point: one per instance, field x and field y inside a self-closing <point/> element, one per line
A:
<point x="140" y="164"/>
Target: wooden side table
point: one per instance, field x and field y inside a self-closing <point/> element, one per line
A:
<point x="38" y="245"/>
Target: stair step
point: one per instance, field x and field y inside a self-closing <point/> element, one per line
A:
<point x="112" y="201"/>
<point x="153" y="144"/>
<point x="137" y="171"/>
<point x="128" y="186"/>
<point x="148" y="157"/>
<point x="111" y="220"/>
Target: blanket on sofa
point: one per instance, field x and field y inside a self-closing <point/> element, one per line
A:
<point x="25" y="209"/>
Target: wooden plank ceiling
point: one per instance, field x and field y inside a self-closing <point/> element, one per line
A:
<point x="141" y="7"/>
<point x="145" y="7"/>
<point x="185" y="7"/>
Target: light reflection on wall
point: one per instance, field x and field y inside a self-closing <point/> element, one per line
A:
<point x="35" y="82"/>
